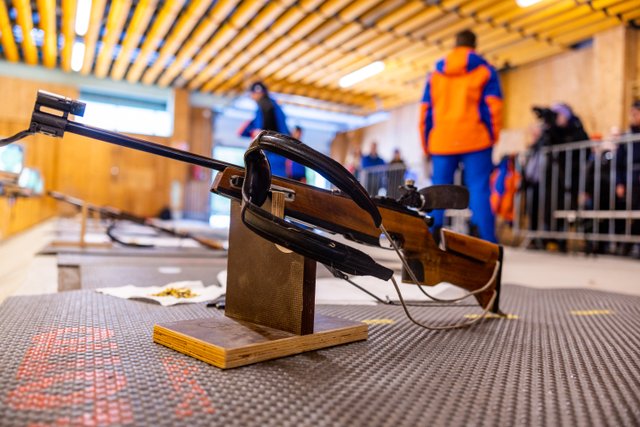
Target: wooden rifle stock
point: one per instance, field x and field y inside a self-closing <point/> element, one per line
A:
<point x="461" y="260"/>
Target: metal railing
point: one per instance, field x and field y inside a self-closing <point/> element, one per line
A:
<point x="383" y="180"/>
<point x="581" y="191"/>
<point x="386" y="180"/>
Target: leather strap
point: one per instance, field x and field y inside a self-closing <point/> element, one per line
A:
<point x="255" y="190"/>
<point x="333" y="171"/>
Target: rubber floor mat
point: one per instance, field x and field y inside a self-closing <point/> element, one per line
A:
<point x="568" y="357"/>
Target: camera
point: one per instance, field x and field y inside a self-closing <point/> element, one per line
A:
<point x="546" y="115"/>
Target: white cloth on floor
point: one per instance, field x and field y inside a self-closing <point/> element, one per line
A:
<point x="335" y="291"/>
<point x="208" y="293"/>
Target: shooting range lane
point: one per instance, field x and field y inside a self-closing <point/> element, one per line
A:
<point x="94" y="270"/>
<point x="568" y="358"/>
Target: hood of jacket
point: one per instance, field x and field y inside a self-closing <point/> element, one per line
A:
<point x="459" y="61"/>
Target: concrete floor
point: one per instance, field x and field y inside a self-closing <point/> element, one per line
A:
<point x="554" y="270"/>
<point x="23" y="272"/>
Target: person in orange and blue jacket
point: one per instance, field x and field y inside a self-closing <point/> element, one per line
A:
<point x="460" y="122"/>
<point x="269" y="116"/>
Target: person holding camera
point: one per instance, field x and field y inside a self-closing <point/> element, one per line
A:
<point x="629" y="154"/>
<point x="558" y="125"/>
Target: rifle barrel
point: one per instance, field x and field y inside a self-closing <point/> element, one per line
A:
<point x="146" y="146"/>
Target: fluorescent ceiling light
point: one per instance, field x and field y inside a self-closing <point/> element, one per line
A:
<point x="527" y="3"/>
<point x="361" y="74"/>
<point x="77" y="56"/>
<point x="83" y="15"/>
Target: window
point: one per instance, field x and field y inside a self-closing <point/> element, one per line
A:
<point x="11" y="158"/>
<point x="220" y="205"/>
<point x="144" y="116"/>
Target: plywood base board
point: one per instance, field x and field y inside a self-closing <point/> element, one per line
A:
<point x="228" y="343"/>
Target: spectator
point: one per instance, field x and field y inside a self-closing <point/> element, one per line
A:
<point x="569" y="125"/>
<point x="353" y="160"/>
<point x="550" y="178"/>
<point x="295" y="170"/>
<point x="531" y="181"/>
<point x="599" y="164"/>
<point x="397" y="158"/>
<point x="297" y="133"/>
<point x="372" y="177"/>
<point x="269" y="116"/>
<point x="397" y="171"/>
<point x="371" y="159"/>
<point x="505" y="181"/>
<point x="622" y="164"/>
<point x="460" y="123"/>
<point x="568" y="128"/>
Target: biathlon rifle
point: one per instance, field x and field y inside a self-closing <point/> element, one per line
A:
<point x="467" y="262"/>
<point x="115" y="214"/>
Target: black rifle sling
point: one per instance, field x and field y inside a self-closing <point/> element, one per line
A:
<point x="255" y="190"/>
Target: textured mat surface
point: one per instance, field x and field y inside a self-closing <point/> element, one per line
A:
<point x="99" y="276"/>
<point x="571" y="358"/>
<point x="106" y="273"/>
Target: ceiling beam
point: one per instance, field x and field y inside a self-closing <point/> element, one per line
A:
<point x="297" y="40"/>
<point x="292" y="25"/>
<point x="163" y="22"/>
<point x="68" y="32"/>
<point x="25" y="20"/>
<point x="245" y="48"/>
<point x="91" y="38"/>
<point x="180" y="31"/>
<point x="47" y="10"/>
<point x="139" y="22"/>
<point x="238" y="20"/>
<point x="201" y="34"/>
<point x="9" y="47"/>
<point x="118" y="13"/>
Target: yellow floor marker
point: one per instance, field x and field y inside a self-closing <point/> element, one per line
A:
<point x="379" y="321"/>
<point x="493" y="316"/>
<point x="590" y="312"/>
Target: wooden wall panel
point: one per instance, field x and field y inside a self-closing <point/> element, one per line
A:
<point x="401" y="132"/>
<point x="199" y="183"/>
<point x="597" y="81"/>
<point x="633" y="69"/>
<point x="636" y="46"/>
<point x="568" y="77"/>
<point x="95" y="171"/>
<point x="611" y="70"/>
<point x="40" y="152"/>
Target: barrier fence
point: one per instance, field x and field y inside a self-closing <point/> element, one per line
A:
<point x="383" y="179"/>
<point x="386" y="180"/>
<point x="587" y="191"/>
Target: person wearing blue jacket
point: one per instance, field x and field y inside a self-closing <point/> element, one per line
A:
<point x="269" y="116"/>
<point x="295" y="170"/>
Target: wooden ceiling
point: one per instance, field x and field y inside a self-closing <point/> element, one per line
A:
<point x="297" y="47"/>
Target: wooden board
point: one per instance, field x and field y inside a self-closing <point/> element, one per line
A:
<point x="229" y="343"/>
<point x="266" y="285"/>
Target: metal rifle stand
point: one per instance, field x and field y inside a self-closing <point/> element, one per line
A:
<point x="81" y="242"/>
<point x="270" y="306"/>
